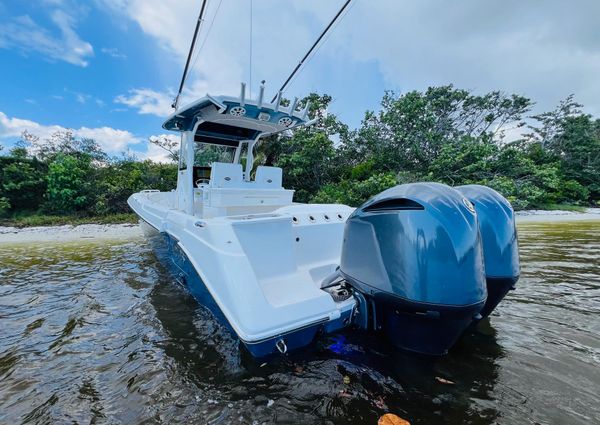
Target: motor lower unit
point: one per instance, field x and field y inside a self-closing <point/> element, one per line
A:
<point x="426" y="260"/>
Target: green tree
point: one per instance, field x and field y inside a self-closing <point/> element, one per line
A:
<point x="69" y="184"/>
<point x="354" y="193"/>
<point x="411" y="130"/>
<point x="573" y="139"/>
<point x="308" y="161"/>
<point x="22" y="182"/>
<point x="121" y="178"/>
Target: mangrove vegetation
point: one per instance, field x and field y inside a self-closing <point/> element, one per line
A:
<point x="443" y="134"/>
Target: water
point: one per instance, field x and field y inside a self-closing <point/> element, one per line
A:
<point x="98" y="333"/>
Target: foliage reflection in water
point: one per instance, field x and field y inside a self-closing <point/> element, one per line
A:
<point x="100" y="333"/>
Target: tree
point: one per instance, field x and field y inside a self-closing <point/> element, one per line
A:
<point x="307" y="159"/>
<point x="551" y="124"/>
<point x="22" y="182"/>
<point x="120" y="179"/>
<point x="354" y="193"/>
<point x="69" y="184"/>
<point x="572" y="138"/>
<point x="469" y="161"/>
<point x="411" y="129"/>
<point x="62" y="142"/>
<point x="168" y="143"/>
<point x="4" y="205"/>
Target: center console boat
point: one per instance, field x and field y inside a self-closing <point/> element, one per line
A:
<point x="417" y="263"/>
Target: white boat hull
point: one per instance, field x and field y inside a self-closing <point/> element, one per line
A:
<point x="259" y="273"/>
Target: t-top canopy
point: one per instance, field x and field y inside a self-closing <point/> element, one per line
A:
<point x="226" y="120"/>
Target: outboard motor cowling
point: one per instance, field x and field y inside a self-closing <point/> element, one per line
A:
<point x="414" y="254"/>
<point x="499" y="238"/>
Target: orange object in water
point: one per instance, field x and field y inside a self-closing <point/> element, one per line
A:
<point x="391" y="419"/>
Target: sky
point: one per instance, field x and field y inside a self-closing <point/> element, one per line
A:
<point x="109" y="69"/>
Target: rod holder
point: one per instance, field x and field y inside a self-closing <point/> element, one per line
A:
<point x="305" y="111"/>
<point x="293" y="107"/>
<point x="261" y="95"/>
<point x="277" y="101"/>
<point x="243" y="95"/>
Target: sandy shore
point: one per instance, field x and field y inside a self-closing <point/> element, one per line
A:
<point x="68" y="233"/>
<point x="542" y="216"/>
<point x="87" y="232"/>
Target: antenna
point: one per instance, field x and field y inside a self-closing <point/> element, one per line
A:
<point x="311" y="50"/>
<point x="187" y="62"/>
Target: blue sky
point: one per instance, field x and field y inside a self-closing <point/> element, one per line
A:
<point x="108" y="68"/>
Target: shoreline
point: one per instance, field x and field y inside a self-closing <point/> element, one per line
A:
<point x="554" y="216"/>
<point x="126" y="231"/>
<point x="69" y="233"/>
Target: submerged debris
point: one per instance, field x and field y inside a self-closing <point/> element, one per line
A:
<point x="391" y="419"/>
<point x="444" y="381"/>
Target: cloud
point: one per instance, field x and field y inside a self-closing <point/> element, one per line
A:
<point x="156" y="153"/>
<point x="222" y="59"/>
<point x="110" y="140"/>
<point x="113" y="52"/>
<point x="147" y="101"/>
<point x="24" y="34"/>
<point x="81" y="98"/>
<point x="514" y="46"/>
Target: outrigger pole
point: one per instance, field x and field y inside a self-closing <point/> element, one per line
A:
<point x="187" y="63"/>
<point x="335" y="18"/>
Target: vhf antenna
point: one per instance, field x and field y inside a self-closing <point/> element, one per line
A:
<point x="310" y="50"/>
<point x="187" y="63"/>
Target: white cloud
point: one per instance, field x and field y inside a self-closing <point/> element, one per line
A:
<point x="13" y="127"/>
<point x="110" y="140"/>
<point x="26" y="35"/>
<point x="514" y="46"/>
<point x="113" y="52"/>
<point x="156" y="153"/>
<point x="223" y="59"/>
<point x="147" y="101"/>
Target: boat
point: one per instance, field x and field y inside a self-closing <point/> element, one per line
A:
<point x="417" y="263"/>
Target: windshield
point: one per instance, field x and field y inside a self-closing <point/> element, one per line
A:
<point x="205" y="154"/>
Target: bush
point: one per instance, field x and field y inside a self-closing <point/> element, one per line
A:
<point x="69" y="184"/>
<point x="4" y="205"/>
<point x="355" y="193"/>
<point x="574" y="192"/>
<point x="22" y="182"/>
<point x="119" y="180"/>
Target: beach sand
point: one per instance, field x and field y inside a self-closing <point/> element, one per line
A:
<point x="537" y="216"/>
<point x="68" y="233"/>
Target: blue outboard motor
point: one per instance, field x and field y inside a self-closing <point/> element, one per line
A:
<point x="414" y="257"/>
<point x="499" y="237"/>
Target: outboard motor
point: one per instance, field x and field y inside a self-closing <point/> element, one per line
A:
<point x="413" y="255"/>
<point x="499" y="238"/>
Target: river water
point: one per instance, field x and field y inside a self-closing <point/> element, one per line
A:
<point x="98" y="333"/>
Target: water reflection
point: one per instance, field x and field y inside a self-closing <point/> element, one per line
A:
<point x="99" y="333"/>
